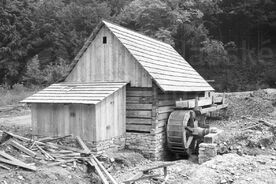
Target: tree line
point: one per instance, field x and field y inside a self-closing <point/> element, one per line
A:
<point x="229" y="41"/>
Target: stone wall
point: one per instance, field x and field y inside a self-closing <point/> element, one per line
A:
<point x="152" y="146"/>
<point x="206" y="152"/>
<point x="113" y="144"/>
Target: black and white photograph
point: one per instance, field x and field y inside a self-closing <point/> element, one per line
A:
<point x="137" y="92"/>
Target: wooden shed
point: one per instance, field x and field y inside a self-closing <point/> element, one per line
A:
<point x="155" y="74"/>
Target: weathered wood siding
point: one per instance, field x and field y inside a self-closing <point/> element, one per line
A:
<point x="110" y="62"/>
<point x="164" y="103"/>
<point x="92" y="122"/>
<point x="139" y="109"/>
<point x="64" y="119"/>
<point x="111" y="116"/>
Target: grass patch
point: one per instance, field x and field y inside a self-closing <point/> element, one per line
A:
<point x="15" y="95"/>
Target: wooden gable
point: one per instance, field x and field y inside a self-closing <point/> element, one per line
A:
<point x="108" y="62"/>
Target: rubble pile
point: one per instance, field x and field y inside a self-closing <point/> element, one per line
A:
<point x="256" y="104"/>
<point x="32" y="154"/>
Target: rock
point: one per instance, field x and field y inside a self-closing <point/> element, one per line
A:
<point x="20" y="177"/>
<point x="223" y="181"/>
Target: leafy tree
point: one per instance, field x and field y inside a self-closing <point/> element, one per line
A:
<point x="16" y="37"/>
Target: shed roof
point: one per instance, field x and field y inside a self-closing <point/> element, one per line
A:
<point x="81" y="93"/>
<point x="166" y="66"/>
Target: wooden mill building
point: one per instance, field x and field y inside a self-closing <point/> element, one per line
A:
<point x="120" y="92"/>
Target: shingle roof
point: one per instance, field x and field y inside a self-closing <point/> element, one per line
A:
<point x="161" y="61"/>
<point x="82" y="93"/>
<point x="168" y="69"/>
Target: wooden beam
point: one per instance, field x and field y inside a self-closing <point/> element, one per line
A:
<point x="139" y="128"/>
<point x="61" y="162"/>
<point x="138" y="114"/>
<point x="13" y="161"/>
<point x="45" y="153"/>
<point x="113" y="181"/>
<point x="192" y="103"/>
<point x="98" y="170"/>
<point x="50" y="139"/>
<point x="213" y="108"/>
<point x="139" y="106"/>
<point x="83" y="145"/>
<point x="22" y="148"/>
<point x="138" y="121"/>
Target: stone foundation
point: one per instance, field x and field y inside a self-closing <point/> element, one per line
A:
<point x="206" y="152"/>
<point x="152" y="146"/>
<point x="113" y="144"/>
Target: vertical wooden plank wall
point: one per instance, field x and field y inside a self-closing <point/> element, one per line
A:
<point x="110" y="116"/>
<point x="64" y="119"/>
<point x="110" y="62"/>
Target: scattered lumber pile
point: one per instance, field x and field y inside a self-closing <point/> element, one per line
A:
<point x="51" y="151"/>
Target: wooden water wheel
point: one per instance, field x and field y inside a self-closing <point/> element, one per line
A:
<point x="183" y="132"/>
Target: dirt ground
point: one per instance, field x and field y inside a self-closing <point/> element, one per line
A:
<point x="247" y="150"/>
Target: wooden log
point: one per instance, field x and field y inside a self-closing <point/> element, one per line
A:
<point x="45" y="153"/>
<point x="113" y="181"/>
<point x="83" y="145"/>
<point x="213" y="108"/>
<point x="139" y="93"/>
<point x="19" y="164"/>
<point x="4" y="167"/>
<point x="193" y="102"/>
<point x="165" y="109"/>
<point x="138" y="128"/>
<point x="138" y="121"/>
<point x="61" y="162"/>
<point x="22" y="148"/>
<point x="98" y="170"/>
<point x="138" y="114"/>
<point x="66" y="147"/>
<point x="13" y="161"/>
<point x="139" y="106"/>
<point x="23" y="138"/>
<point x="166" y="103"/>
<point x="50" y="139"/>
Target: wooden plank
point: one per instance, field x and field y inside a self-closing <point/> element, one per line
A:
<point x="165" y="109"/>
<point x="138" y="93"/>
<point x="139" y="128"/>
<point x="83" y="145"/>
<point x="163" y="116"/>
<point x="139" y="100"/>
<point x="214" y="108"/>
<point x="138" y="106"/>
<point x="47" y="155"/>
<point x="166" y="103"/>
<point x="22" y="148"/>
<point x="13" y="161"/>
<point x="98" y="170"/>
<point x="192" y="103"/>
<point x="19" y="164"/>
<point x="139" y="121"/>
<point x="61" y="162"/>
<point x="113" y="181"/>
<point x="138" y="114"/>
